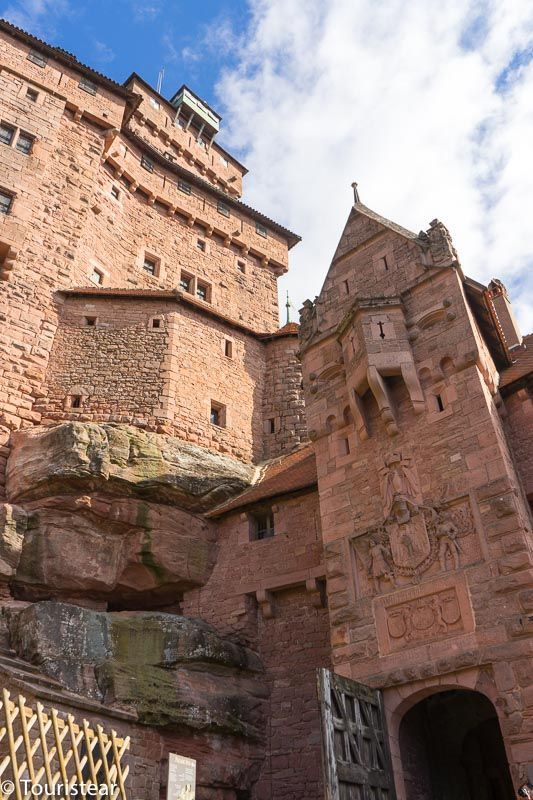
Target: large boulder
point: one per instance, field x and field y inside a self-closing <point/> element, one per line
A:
<point x="169" y="669"/>
<point x="123" y="460"/>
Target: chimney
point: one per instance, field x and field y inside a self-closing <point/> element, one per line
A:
<point x="504" y="312"/>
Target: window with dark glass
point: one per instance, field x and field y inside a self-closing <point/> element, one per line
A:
<point x="184" y="187"/>
<point x="6" y="201"/>
<point x="150" y="265"/>
<point x="6" y="133"/>
<point x="223" y="209"/>
<point x="186" y="282"/>
<point x="260" y="229"/>
<point x="147" y="164"/>
<point x="262" y="524"/>
<point x="25" y="143"/>
<point x="88" y="86"/>
<point x="32" y="94"/>
<point x="200" y="244"/>
<point x="37" y="58"/>
<point x="202" y="291"/>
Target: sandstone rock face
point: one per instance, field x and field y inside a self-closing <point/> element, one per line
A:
<point x="121" y="459"/>
<point x="171" y="670"/>
<point x="111" y="514"/>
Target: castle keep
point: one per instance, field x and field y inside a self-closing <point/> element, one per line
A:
<point x="201" y="512"/>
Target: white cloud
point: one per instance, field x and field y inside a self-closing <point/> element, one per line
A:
<point x="36" y="16"/>
<point x="102" y="52"/>
<point x="406" y="97"/>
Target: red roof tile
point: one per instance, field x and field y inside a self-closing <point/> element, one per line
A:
<point x="289" y="473"/>
<point x="522" y="363"/>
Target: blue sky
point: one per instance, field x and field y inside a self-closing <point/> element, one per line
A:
<point x="124" y="36"/>
<point x="427" y="105"/>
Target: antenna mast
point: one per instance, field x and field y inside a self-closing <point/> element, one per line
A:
<point x="160" y="80"/>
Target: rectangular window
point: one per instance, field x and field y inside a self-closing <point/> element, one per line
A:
<point x="154" y="103"/>
<point x="241" y="266"/>
<point x="115" y="192"/>
<point x="228" y="348"/>
<point x="147" y="164"/>
<point x="156" y="323"/>
<point x="186" y="282"/>
<point x="223" y="209"/>
<point x="203" y="291"/>
<point x="88" y="86"/>
<point x="218" y="415"/>
<point x="169" y="156"/>
<point x="32" y="94"/>
<point x="260" y="229"/>
<point x="6" y="133"/>
<point x="25" y="143"/>
<point x="150" y="265"/>
<point x="184" y="187"/>
<point x="271" y="425"/>
<point x="200" y="244"/>
<point x="6" y="201"/>
<point x="97" y="276"/>
<point x="223" y="160"/>
<point x="90" y="322"/>
<point x="202" y="144"/>
<point x="75" y="401"/>
<point x="37" y="58"/>
<point x="262" y="525"/>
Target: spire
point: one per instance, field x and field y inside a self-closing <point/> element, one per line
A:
<point x="355" y="193"/>
<point x="288" y="307"/>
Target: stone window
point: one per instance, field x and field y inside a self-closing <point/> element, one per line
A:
<point x="6" y="133"/>
<point x="346" y="287"/>
<point x="439" y="402"/>
<point x="90" y="322"/>
<point x="88" y="86"/>
<point x="261" y="230"/>
<point x="200" y="244"/>
<point x="223" y="160"/>
<point x="97" y="276"/>
<point x="76" y="400"/>
<point x="184" y="187"/>
<point x="344" y="447"/>
<point x="186" y="282"/>
<point x="156" y="322"/>
<point x="217" y="415"/>
<point x="115" y="192"/>
<point x="25" y="143"/>
<point x="241" y="265"/>
<point x="32" y="94"/>
<point x="203" y="291"/>
<point x="261" y="524"/>
<point x="271" y="425"/>
<point x="147" y="163"/>
<point x="223" y="209"/>
<point x="228" y="348"/>
<point x="154" y="103"/>
<point x="6" y="202"/>
<point x="151" y="264"/>
<point x="37" y="58"/>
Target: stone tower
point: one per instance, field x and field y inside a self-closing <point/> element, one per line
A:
<point x="426" y="525"/>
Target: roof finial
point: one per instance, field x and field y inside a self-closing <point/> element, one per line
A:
<point x="355" y="193"/>
<point x="288" y="307"/>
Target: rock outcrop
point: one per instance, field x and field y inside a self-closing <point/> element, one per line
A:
<point x="171" y="670"/>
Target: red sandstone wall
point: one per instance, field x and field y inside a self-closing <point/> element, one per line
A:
<point x="283" y="401"/>
<point x="518" y="424"/>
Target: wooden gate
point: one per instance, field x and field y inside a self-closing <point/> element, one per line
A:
<point x="44" y="750"/>
<point x="355" y="745"/>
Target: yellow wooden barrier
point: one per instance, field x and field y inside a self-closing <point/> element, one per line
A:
<point x="42" y="754"/>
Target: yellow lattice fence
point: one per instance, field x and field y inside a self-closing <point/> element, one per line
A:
<point x="49" y="750"/>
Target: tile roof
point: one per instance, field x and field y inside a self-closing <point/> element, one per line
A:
<point x="522" y="363"/>
<point x="284" y="475"/>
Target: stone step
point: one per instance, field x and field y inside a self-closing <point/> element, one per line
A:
<point x="12" y="660"/>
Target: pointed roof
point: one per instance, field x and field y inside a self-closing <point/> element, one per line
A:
<point x="393" y="226"/>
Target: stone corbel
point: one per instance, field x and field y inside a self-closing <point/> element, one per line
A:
<point x="379" y="390"/>
<point x="171" y="210"/>
<point x="209" y="231"/>
<point x="78" y="114"/>
<point x="191" y="220"/>
<point x="413" y="387"/>
<point x="8" y="264"/>
<point x="109" y="138"/>
<point x="133" y="187"/>
<point x="151" y="199"/>
<point x="265" y="601"/>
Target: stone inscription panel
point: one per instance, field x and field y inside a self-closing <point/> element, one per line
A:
<point x="423" y="614"/>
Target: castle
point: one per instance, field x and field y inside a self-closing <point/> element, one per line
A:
<point x="201" y="509"/>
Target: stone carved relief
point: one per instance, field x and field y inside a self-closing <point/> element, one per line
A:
<point x="419" y="615"/>
<point x="414" y="539"/>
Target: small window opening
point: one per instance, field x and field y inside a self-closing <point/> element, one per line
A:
<point x="150" y="265"/>
<point x="202" y="291"/>
<point x="346" y="287"/>
<point x="37" y="58"/>
<point x="223" y="161"/>
<point x="147" y="164"/>
<point x="223" y="209"/>
<point x="97" y="276"/>
<point x="200" y="244"/>
<point x="156" y="323"/>
<point x="262" y="525"/>
<point x="32" y="94"/>
<point x="384" y="263"/>
<point x="344" y="447"/>
<point x="6" y="202"/>
<point x="271" y="425"/>
<point x="218" y="415"/>
<point x="75" y="401"/>
<point x="260" y="229"/>
<point x="228" y="348"/>
<point x="88" y="86"/>
<point x="184" y="187"/>
<point x="115" y="192"/>
<point x="90" y="321"/>
<point x="154" y="103"/>
<point x="186" y="282"/>
<point x="6" y="133"/>
<point x="25" y="143"/>
<point x="241" y="266"/>
<point x="439" y="401"/>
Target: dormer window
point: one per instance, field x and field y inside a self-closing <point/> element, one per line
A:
<point x="88" y="86"/>
<point x="37" y="58"/>
<point x="261" y="230"/>
<point x="147" y="163"/>
<point x="223" y="209"/>
<point x="184" y="187"/>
